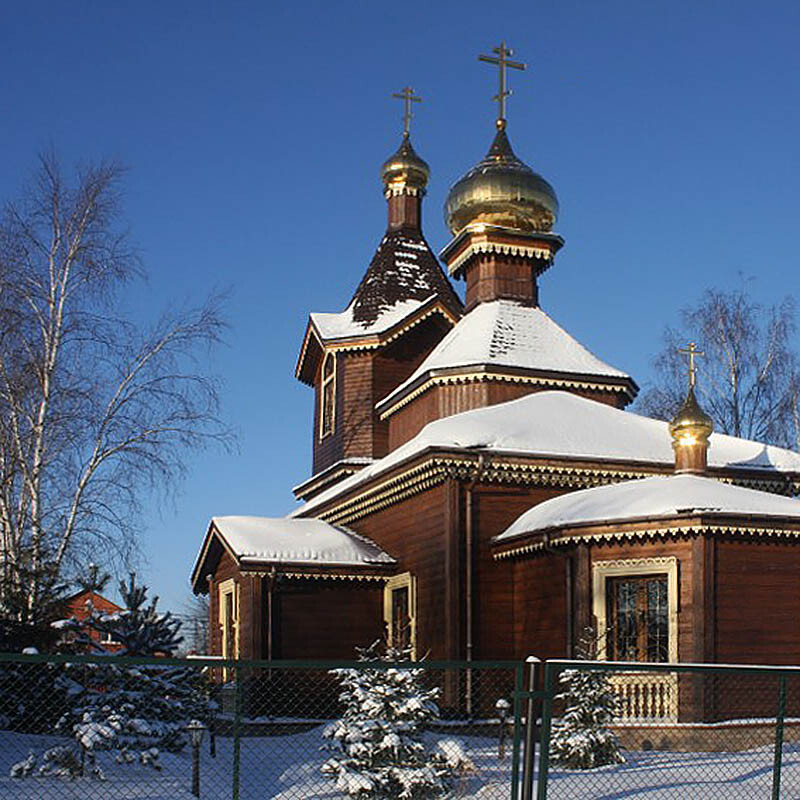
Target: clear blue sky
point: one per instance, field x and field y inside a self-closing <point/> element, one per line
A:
<point x="254" y="132"/>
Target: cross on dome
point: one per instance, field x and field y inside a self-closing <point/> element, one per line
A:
<point x="693" y="353"/>
<point x="502" y="62"/>
<point x="408" y="97"/>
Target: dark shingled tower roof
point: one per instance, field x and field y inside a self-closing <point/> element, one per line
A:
<point x="403" y="268"/>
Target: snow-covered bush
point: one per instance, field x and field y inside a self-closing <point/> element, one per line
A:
<point x="581" y="738"/>
<point x="377" y="745"/>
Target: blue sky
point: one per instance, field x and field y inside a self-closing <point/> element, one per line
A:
<point x="254" y="133"/>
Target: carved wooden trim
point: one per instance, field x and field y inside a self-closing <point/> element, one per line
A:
<point x="479" y="376"/>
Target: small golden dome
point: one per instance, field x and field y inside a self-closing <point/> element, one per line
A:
<point x="501" y="190"/>
<point x="405" y="169"/>
<point x="691" y="425"/>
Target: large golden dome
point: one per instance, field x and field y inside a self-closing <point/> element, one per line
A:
<point x="501" y="190"/>
<point x="405" y="169"/>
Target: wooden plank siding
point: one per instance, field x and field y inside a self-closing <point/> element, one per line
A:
<point x="758" y="602"/>
<point x="327" y="618"/>
<point x="414" y="533"/>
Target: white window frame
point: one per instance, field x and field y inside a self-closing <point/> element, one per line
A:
<point x="634" y="568"/>
<point x="403" y="581"/>
<point x="224" y="589"/>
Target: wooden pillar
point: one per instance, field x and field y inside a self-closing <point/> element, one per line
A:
<point x="453" y="591"/>
<point x="701" y="693"/>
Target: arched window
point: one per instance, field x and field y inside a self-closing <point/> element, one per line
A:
<point x="327" y="396"/>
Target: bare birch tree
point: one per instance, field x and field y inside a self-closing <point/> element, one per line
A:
<point x="749" y="379"/>
<point x="93" y="410"/>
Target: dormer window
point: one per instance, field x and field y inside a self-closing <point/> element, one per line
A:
<point x="327" y="395"/>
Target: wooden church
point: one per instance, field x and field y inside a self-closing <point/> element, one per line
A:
<point x="479" y="490"/>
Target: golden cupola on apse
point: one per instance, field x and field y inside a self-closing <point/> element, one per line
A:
<point x="501" y="215"/>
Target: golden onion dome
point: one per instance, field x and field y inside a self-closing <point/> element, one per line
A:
<point x="405" y="168"/>
<point x="501" y="190"/>
<point x="691" y="425"/>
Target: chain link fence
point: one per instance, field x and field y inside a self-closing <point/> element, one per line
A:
<point x="87" y="727"/>
<point x="682" y="731"/>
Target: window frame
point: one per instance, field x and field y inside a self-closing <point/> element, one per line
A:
<point x="603" y="571"/>
<point x="225" y="589"/>
<point x="326" y="426"/>
<point x="403" y="581"/>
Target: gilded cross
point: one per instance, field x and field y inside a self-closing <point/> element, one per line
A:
<point x="408" y="97"/>
<point x="693" y="353"/>
<point x="502" y="62"/>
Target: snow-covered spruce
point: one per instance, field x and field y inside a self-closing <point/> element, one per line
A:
<point x="136" y="711"/>
<point x="581" y="739"/>
<point x="377" y="745"/>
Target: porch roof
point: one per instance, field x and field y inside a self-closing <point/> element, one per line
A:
<point x="655" y="498"/>
<point x="278" y="541"/>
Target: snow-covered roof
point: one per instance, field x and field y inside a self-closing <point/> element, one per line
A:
<point x="562" y="425"/>
<point x="504" y="333"/>
<point x="660" y="496"/>
<point x="297" y="541"/>
<point x="343" y="325"/>
<point x="302" y="543"/>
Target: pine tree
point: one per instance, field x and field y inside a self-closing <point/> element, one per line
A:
<point x="377" y="744"/>
<point x="581" y="739"/>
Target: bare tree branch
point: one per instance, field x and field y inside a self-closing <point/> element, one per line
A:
<point x="93" y="412"/>
<point x="748" y="381"/>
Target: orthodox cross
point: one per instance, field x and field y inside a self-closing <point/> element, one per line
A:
<point x="408" y="97"/>
<point x="693" y="353"/>
<point x="502" y="62"/>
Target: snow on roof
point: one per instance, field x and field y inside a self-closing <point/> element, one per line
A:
<point x="563" y="425"/>
<point x="506" y="333"/>
<point x="660" y="496"/>
<point x="343" y="325"/>
<point x="297" y="541"/>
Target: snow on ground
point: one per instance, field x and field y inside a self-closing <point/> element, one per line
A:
<point x="286" y="767"/>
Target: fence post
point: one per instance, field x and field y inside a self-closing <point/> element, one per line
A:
<point x="544" y="747"/>
<point x="530" y="742"/>
<point x="517" y="725"/>
<point x="779" y="717"/>
<point x="237" y="729"/>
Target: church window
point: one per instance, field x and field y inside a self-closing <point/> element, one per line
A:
<point x="636" y="608"/>
<point x="637" y="616"/>
<point x="228" y="620"/>
<point x="399" y="612"/>
<point x="327" y="415"/>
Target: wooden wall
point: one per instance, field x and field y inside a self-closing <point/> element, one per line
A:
<point x="363" y="377"/>
<point x="758" y="602"/>
<point x="414" y="532"/>
<point x="327" y="619"/>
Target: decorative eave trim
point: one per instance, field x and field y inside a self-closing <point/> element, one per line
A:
<point x="435" y="468"/>
<point x="395" y="189"/>
<point x="328" y="476"/>
<point x="311" y="331"/>
<point x="330" y="576"/>
<point x="644" y="534"/>
<point x="480" y="375"/>
<point x="375" y="340"/>
<point x="531" y="251"/>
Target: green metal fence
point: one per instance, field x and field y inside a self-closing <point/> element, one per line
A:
<point x="684" y="731"/>
<point x="88" y="727"/>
